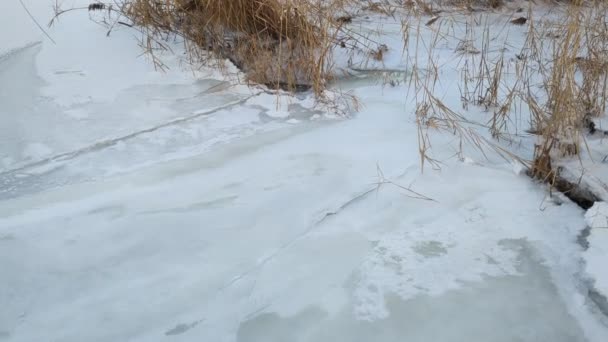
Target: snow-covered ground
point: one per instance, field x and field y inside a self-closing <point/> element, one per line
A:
<point x="137" y="205"/>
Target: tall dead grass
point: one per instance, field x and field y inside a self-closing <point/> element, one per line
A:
<point x="559" y="79"/>
<point x="248" y="32"/>
<point x="575" y="82"/>
<point x="283" y="44"/>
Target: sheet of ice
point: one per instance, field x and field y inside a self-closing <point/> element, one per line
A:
<point x="142" y="126"/>
<point x="285" y="237"/>
<point x="255" y="224"/>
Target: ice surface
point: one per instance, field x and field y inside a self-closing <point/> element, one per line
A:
<point x="186" y="207"/>
<point x="472" y="313"/>
<point x="20" y="30"/>
<point x="239" y="241"/>
<point x="597" y="252"/>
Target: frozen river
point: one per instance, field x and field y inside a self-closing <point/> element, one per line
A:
<point x="189" y="209"/>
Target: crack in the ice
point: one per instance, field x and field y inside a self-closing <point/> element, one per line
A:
<point x="353" y="200"/>
<point x="323" y="217"/>
<point x="291" y="242"/>
<point x="182" y="328"/>
<point x="111" y="142"/>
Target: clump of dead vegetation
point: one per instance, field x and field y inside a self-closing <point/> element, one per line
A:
<point x="576" y="86"/>
<point x="284" y="44"/>
<point x="275" y="42"/>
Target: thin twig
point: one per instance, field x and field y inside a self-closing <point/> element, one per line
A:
<point x="36" y="22"/>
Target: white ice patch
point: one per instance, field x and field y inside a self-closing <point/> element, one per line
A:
<point x="415" y="263"/>
<point x="276" y="106"/>
<point x="597" y="216"/>
<point x="95" y="64"/>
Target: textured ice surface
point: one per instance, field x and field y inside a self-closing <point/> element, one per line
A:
<point x="522" y="307"/>
<point x="136" y="206"/>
